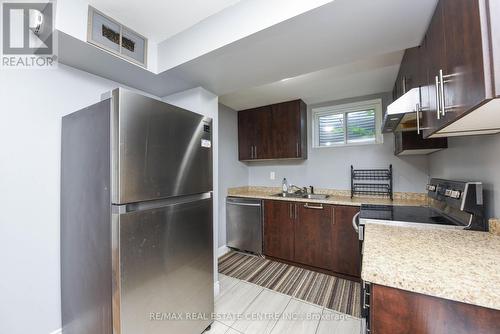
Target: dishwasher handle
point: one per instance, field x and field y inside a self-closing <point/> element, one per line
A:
<point x="243" y="201"/>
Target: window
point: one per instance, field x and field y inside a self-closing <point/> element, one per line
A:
<point x="348" y="124"/>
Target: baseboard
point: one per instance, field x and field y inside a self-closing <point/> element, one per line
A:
<point x="222" y="251"/>
<point x="57" y="331"/>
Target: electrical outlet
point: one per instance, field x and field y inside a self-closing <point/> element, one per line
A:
<point x="272" y="176"/>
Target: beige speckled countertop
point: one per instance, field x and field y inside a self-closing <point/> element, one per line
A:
<point x="459" y="265"/>
<point x="494" y="226"/>
<point x="337" y="197"/>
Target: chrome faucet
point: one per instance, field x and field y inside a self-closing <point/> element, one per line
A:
<point x="302" y="191"/>
<point x="292" y="186"/>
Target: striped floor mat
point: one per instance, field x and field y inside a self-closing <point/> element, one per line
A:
<point x="332" y="292"/>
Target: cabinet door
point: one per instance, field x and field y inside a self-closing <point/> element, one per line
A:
<point x="279" y="229"/>
<point x="436" y="60"/>
<point x="313" y="231"/>
<point x="398" y="311"/>
<point x="407" y="77"/>
<point x="423" y="79"/>
<point x="464" y="83"/>
<point x="286" y="136"/>
<point x="247" y="134"/>
<point x="398" y="85"/>
<point x="346" y="253"/>
<point x="265" y="133"/>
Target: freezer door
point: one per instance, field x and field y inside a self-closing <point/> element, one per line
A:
<point x="158" y="150"/>
<point x="163" y="269"/>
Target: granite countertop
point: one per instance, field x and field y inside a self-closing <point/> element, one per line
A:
<point x="337" y="197"/>
<point x="459" y="265"/>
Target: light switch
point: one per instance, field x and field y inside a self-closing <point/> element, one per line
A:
<point x="272" y="176"/>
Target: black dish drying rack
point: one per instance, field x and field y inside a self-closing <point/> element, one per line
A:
<point x="372" y="182"/>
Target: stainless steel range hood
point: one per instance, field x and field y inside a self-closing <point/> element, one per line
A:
<point x="401" y="114"/>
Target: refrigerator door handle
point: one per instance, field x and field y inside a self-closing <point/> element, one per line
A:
<point x="148" y="205"/>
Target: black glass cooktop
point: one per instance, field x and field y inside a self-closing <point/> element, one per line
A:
<point x="409" y="214"/>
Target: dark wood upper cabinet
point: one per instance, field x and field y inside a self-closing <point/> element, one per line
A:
<point x="412" y="143"/>
<point x="247" y="134"/>
<point x="459" y="60"/>
<point x="346" y="255"/>
<point x="463" y="72"/>
<point x="414" y="73"/>
<point x="314" y="241"/>
<point x="277" y="131"/>
<point x="279" y="229"/>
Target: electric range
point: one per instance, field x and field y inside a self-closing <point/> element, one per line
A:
<point x="450" y="204"/>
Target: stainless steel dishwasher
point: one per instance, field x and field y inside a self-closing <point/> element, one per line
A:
<point x="244" y="224"/>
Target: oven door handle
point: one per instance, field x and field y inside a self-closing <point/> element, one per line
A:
<point x="354" y="223"/>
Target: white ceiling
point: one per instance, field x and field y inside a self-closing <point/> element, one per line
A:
<point x="160" y="19"/>
<point x="324" y="40"/>
<point x="342" y="49"/>
<point x="365" y="77"/>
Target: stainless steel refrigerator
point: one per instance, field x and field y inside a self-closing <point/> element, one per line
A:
<point x="136" y="218"/>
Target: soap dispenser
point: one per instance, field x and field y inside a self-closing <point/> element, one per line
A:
<point x="285" y="186"/>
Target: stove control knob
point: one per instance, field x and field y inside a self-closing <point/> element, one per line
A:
<point x="431" y="187"/>
<point x="456" y="194"/>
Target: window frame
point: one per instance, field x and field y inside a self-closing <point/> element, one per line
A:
<point x="375" y="104"/>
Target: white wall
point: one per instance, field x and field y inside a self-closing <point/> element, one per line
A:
<point x="472" y="159"/>
<point x="32" y="104"/>
<point x="330" y="167"/>
<point x="233" y="173"/>
<point x="205" y="103"/>
<point x="72" y="19"/>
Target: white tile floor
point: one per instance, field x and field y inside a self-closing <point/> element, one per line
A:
<point x="245" y="308"/>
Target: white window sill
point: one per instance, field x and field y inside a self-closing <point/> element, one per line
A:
<point x="349" y="145"/>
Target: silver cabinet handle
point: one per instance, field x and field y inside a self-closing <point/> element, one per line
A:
<point x="296" y="211"/>
<point x="417" y="111"/>
<point x="403" y="85"/>
<point x="441" y="85"/>
<point x="255" y="151"/>
<point x="438" y="99"/>
<point x="308" y="206"/>
<point x="354" y="224"/>
<point x="297" y="147"/>
<point x="253" y="155"/>
<point x="290" y="207"/>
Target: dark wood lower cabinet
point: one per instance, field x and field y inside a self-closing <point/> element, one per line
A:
<point x="279" y="229"/>
<point x="346" y="255"/>
<point x="395" y="311"/>
<point x="313" y="244"/>
<point x="312" y="235"/>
